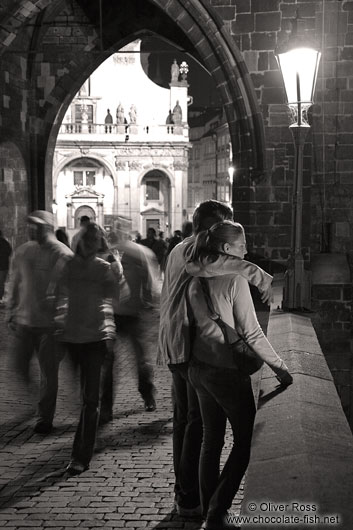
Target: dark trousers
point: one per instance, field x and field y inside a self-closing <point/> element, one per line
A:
<point x="3" y="276"/>
<point x="90" y="358"/>
<point x="26" y="341"/>
<point x="187" y="437"/>
<point x="223" y="394"/>
<point x="128" y="326"/>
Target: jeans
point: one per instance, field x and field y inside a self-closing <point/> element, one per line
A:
<point x="223" y="394"/>
<point x="128" y="326"/>
<point x="90" y="357"/>
<point x="26" y="341"/>
<point x="187" y="437"/>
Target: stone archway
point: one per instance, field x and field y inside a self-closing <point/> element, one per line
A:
<point x="156" y="201"/>
<point x="211" y="43"/>
<point x="193" y="25"/>
<point x="84" y="210"/>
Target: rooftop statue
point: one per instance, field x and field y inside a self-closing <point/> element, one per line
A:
<point x="175" y="71"/>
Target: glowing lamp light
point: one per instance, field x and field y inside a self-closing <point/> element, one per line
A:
<point x="184" y="70"/>
<point x="299" y="67"/>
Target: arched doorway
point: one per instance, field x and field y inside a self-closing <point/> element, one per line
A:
<point x="156" y="201"/>
<point x="84" y="210"/>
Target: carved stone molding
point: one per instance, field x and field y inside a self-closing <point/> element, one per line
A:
<point x="120" y="164"/>
<point x="148" y="152"/>
<point x="180" y="165"/>
<point x="134" y="165"/>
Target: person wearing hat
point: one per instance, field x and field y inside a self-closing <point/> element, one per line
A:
<point x="34" y="268"/>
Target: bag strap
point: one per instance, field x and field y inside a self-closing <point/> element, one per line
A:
<point x="216" y="317"/>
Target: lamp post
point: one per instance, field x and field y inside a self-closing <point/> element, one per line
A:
<point x="299" y="65"/>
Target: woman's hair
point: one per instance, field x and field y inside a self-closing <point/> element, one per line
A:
<point x="209" y="243"/>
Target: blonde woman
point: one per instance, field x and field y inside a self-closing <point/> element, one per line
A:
<point x="223" y="392"/>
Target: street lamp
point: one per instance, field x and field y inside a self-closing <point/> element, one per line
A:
<point x="184" y="70"/>
<point x="299" y="65"/>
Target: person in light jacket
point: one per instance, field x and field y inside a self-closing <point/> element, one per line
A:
<point x="174" y="346"/>
<point x="34" y="270"/>
<point x="85" y="322"/>
<point x="223" y="391"/>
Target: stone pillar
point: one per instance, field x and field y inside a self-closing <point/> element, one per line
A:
<point x="116" y="200"/>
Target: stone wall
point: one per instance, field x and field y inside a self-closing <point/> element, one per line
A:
<point x="48" y="48"/>
<point x="263" y="203"/>
<point x="302" y="446"/>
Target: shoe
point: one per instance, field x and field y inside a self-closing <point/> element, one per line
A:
<point x="150" y="404"/>
<point x="76" y="468"/>
<point x="43" y="427"/>
<point x="188" y="512"/>
<point x="219" y="524"/>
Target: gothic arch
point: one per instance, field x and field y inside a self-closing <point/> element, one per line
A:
<point x="203" y="35"/>
<point x="217" y="50"/>
<point x="193" y="25"/>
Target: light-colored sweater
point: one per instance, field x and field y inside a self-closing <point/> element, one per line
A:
<point x="34" y="267"/>
<point x="174" y="329"/>
<point x="231" y="298"/>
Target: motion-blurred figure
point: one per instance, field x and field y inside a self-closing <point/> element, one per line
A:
<point x="85" y="322"/>
<point x="175" y="240"/>
<point x="157" y="245"/>
<point x="84" y="221"/>
<point x="140" y="269"/>
<point x="34" y="270"/>
<point x="187" y="229"/>
<point x="61" y="235"/>
<point x="5" y="253"/>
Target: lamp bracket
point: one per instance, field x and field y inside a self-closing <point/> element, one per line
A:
<point x="299" y="113"/>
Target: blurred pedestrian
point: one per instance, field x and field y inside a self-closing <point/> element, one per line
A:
<point x="157" y="245"/>
<point x="34" y="270"/>
<point x="5" y="253"/>
<point x="85" y="323"/>
<point x="130" y="310"/>
<point x="84" y="221"/>
<point x="187" y="229"/>
<point x="174" y="241"/>
<point x="108" y="250"/>
<point x="61" y="235"/>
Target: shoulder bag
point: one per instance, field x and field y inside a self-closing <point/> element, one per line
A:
<point x="245" y="359"/>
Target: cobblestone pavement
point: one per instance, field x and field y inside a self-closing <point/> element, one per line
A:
<point x="130" y="481"/>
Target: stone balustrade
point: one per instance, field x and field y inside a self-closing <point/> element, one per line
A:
<point x="302" y="451"/>
<point x="119" y="131"/>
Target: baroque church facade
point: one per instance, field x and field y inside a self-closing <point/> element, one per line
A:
<point x="121" y="156"/>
